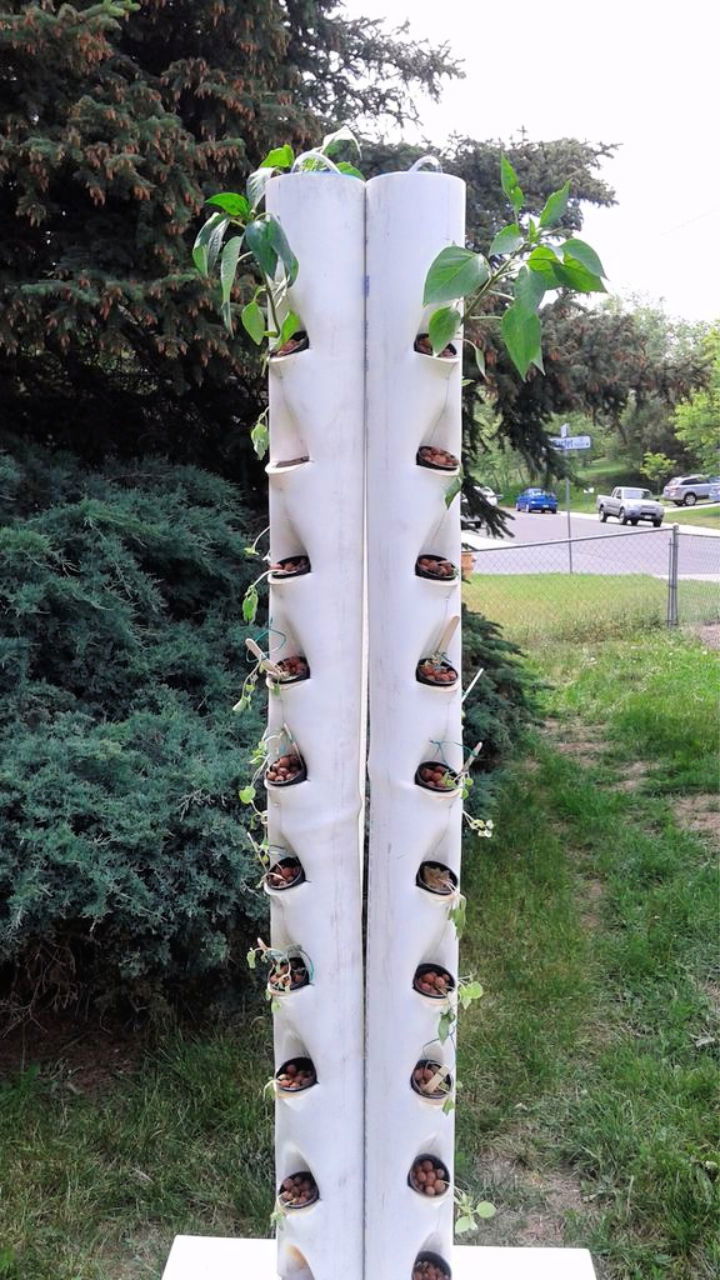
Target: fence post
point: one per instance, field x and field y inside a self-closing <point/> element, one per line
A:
<point x="672" y="597"/>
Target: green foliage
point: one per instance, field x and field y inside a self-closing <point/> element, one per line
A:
<point x="697" y="422"/>
<point x="658" y="468"/>
<point x="118" y="121"/>
<point x="124" y="857"/>
<point x="499" y="708"/>
<point x="458" y="273"/>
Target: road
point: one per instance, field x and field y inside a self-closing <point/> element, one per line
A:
<point x="601" y="548"/>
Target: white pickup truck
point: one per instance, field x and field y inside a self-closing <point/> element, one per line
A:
<point x="630" y="505"/>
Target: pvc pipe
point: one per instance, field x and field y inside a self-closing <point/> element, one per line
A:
<point x="411" y="400"/>
<point x="316" y="509"/>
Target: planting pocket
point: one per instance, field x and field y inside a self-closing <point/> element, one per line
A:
<point x="429" y="1176"/>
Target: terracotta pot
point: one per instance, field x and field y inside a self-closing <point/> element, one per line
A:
<point x="467" y="562"/>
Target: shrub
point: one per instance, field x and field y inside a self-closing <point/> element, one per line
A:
<point x="499" y="708"/>
<point x="123" y="856"/>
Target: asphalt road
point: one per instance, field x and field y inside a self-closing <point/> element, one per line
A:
<point x="596" y="548"/>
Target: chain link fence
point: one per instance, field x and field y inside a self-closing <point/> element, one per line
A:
<point x="607" y="583"/>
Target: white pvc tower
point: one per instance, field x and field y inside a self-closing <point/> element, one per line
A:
<point x="412" y="400"/>
<point x="316" y="509"/>
<point x="361" y="395"/>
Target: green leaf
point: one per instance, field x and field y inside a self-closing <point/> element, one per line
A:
<point x="453" y="490"/>
<point x="507" y="240"/>
<point x="555" y="206"/>
<point x="469" y="992"/>
<point x="442" y="327"/>
<point x="445" y="1025"/>
<point x="545" y="262"/>
<point x="253" y="321"/>
<point x="455" y="273"/>
<point x="448" y="1106"/>
<point x="207" y="242"/>
<point x="521" y="335"/>
<point x="289" y="326"/>
<point x="279" y="158"/>
<point x="464" y="1224"/>
<point x="247" y="795"/>
<point x="228" y="266"/>
<point x="458" y="916"/>
<point x="258" y="238"/>
<point x="334" y="141"/>
<point x="250" y="604"/>
<point x="573" y="275"/>
<point x="260" y="437"/>
<point x="510" y="185"/>
<point x="508" y="177"/>
<point x="350" y="170"/>
<point x="529" y="289"/>
<point x="256" y="184"/>
<point x="583" y="253"/>
<point x="278" y="240"/>
<point x="479" y="359"/>
<point x="236" y="205"/>
<point x="485" y="1209"/>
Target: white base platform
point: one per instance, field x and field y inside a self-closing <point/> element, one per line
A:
<point x="215" y="1258"/>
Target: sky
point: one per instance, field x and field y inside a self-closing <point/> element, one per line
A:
<point x="639" y="73"/>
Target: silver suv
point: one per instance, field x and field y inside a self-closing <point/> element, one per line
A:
<point x="684" y="491"/>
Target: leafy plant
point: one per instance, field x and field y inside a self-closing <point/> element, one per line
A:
<point x="471" y="1213"/>
<point x="527" y="257"/>
<point x="468" y="990"/>
<point x="258" y="239"/>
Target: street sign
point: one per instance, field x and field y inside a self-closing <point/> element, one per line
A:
<point x="571" y="442"/>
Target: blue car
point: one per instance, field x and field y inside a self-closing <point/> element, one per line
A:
<point x="536" y="500"/>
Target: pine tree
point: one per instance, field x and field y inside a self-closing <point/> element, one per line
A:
<point x="117" y="120"/>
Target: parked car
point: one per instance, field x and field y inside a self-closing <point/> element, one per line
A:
<point x="630" y="506"/>
<point x="685" y="491"/>
<point x="467" y="519"/>
<point x="714" y="494"/>
<point x="536" y="500"/>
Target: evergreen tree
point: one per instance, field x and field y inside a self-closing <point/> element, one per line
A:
<point x="117" y="120"/>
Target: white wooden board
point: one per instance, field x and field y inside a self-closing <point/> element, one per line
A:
<point x="215" y="1258"/>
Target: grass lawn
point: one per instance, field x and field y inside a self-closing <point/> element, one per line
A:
<point x="590" y="1068"/>
<point x="702" y="515"/>
<point x="539" y="607"/>
<point x="588" y="1080"/>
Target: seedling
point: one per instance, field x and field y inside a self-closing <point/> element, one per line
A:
<point x="289" y="969"/>
<point x="289" y="567"/>
<point x="471" y="1213"/>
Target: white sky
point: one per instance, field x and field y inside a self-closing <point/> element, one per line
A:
<point x="643" y="73"/>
